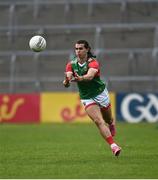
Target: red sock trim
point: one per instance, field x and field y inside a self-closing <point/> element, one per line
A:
<point x="110" y="140"/>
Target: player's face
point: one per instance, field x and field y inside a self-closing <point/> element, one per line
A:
<point x="80" y="51"/>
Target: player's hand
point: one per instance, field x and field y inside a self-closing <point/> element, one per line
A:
<point x="78" y="78"/>
<point x="66" y="83"/>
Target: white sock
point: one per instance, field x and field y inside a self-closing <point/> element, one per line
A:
<point x="113" y="145"/>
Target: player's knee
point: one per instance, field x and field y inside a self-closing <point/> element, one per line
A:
<point x="99" y="122"/>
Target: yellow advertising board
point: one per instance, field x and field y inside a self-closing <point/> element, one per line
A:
<point x="65" y="107"/>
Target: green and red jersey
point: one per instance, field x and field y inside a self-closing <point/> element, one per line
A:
<point x="90" y="88"/>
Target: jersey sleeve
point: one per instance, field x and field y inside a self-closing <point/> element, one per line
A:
<point x="68" y="67"/>
<point x="94" y="64"/>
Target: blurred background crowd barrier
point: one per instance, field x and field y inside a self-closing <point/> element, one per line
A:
<point x="123" y="34"/>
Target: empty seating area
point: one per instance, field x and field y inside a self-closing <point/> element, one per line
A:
<point x="123" y="34"/>
<point x="81" y="12"/>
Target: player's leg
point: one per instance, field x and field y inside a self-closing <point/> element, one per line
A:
<point x="95" y="114"/>
<point x="107" y="116"/>
<point x="103" y="100"/>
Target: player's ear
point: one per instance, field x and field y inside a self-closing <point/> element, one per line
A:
<point x="88" y="49"/>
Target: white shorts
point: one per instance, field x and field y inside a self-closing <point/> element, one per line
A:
<point x="103" y="100"/>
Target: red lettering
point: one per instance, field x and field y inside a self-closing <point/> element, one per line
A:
<point x="68" y="115"/>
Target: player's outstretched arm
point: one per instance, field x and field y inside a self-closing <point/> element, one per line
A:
<point x="87" y="77"/>
<point x="67" y="80"/>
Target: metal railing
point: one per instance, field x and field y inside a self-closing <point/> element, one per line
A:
<point x="37" y="80"/>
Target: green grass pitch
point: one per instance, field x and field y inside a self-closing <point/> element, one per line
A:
<point x="77" y="151"/>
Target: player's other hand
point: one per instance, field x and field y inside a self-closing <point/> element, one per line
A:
<point x="66" y="83"/>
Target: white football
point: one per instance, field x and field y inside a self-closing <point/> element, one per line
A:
<point x="37" y="43"/>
